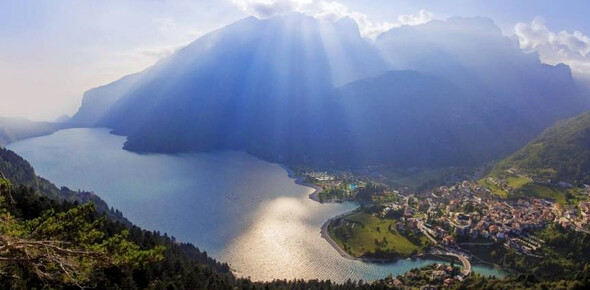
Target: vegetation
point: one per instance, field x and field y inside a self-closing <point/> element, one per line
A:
<point x="67" y="247"/>
<point x="555" y="193"/>
<point x="561" y="153"/>
<point x="566" y="255"/>
<point x="20" y="172"/>
<point x="510" y="186"/>
<point x="428" y="275"/>
<point x="364" y="235"/>
<point x="419" y="179"/>
<point x="495" y="189"/>
<point x="43" y="234"/>
<point x="48" y="241"/>
<point x="333" y="194"/>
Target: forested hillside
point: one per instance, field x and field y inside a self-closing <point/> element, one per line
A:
<point x="21" y="173"/>
<point x="49" y="239"/>
<point x="561" y="153"/>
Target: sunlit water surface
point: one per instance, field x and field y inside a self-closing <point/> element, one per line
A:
<point x="240" y="209"/>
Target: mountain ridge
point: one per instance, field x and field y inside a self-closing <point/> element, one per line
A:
<point x="277" y="94"/>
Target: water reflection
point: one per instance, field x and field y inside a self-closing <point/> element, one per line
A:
<point x="240" y="209"/>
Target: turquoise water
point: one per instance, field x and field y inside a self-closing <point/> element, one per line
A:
<point x="238" y="208"/>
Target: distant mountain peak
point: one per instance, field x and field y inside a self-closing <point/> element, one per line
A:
<point x="295" y="89"/>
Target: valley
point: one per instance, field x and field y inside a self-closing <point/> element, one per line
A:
<point x="294" y="144"/>
<point x="235" y="217"/>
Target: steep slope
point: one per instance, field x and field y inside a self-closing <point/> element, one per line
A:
<point x="268" y="87"/>
<point x="561" y="153"/>
<point x="37" y="214"/>
<point x="52" y="242"/>
<point x="98" y="101"/>
<point x="409" y="119"/>
<point x="351" y="57"/>
<point x="255" y="85"/>
<point x="20" y="173"/>
<point x="473" y="54"/>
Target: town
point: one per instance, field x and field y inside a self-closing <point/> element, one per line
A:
<point x="456" y="219"/>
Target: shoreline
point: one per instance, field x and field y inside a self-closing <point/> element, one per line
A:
<point x="315" y="195"/>
<point x="324" y="233"/>
<point x="326" y="236"/>
<point x="324" y="229"/>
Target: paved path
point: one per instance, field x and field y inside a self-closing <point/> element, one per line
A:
<point x="466" y="264"/>
<point x="426" y="232"/>
<point x="326" y="236"/>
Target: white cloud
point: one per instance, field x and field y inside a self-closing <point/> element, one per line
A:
<point x="329" y="11"/>
<point x="268" y="8"/>
<point x="572" y="49"/>
<point x="422" y="17"/>
<point x="332" y="10"/>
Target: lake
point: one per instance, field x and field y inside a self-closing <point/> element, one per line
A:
<point x="240" y="209"/>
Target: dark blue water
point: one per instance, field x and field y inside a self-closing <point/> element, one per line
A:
<point x="240" y="209"/>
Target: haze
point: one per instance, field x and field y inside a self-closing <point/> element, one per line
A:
<point x="51" y="52"/>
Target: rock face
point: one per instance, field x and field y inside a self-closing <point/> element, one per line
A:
<point x="298" y="90"/>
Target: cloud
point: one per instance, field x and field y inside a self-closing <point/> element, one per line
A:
<point x="572" y="49"/>
<point x="268" y="8"/>
<point x="329" y="11"/>
<point x="422" y="17"/>
<point x="332" y="10"/>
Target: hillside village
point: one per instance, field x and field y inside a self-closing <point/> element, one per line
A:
<point x="468" y="214"/>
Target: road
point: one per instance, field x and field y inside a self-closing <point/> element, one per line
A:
<point x="443" y="251"/>
<point x="426" y="232"/>
<point x="466" y="264"/>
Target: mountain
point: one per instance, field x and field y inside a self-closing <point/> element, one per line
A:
<point x="408" y="118"/>
<point x="13" y="129"/>
<point x="561" y="153"/>
<point x="255" y="85"/>
<point x="473" y="54"/>
<point x="97" y="101"/>
<point x="298" y="90"/>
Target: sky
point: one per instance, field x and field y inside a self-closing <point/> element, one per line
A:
<point x="52" y="51"/>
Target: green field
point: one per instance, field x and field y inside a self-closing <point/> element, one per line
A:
<point x="524" y="187"/>
<point x="516" y="182"/>
<point x="364" y="235"/>
<point x="484" y="182"/>
<point x="542" y="191"/>
<point x="418" y="178"/>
